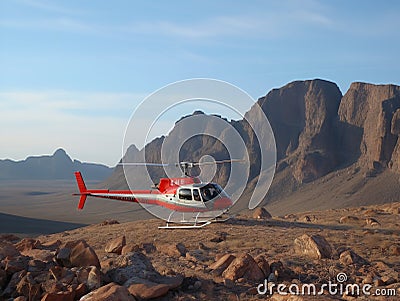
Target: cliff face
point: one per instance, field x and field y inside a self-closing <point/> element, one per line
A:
<point x="303" y="116"/>
<point x="374" y="110"/>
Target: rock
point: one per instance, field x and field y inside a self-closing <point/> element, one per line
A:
<point x="10" y="290"/>
<point x="148" y="247"/>
<point x="90" y="276"/>
<point x="16" y="264"/>
<point x="314" y="246"/>
<point x="263" y="264"/>
<point x="77" y="254"/>
<point x="349" y="257"/>
<point x="9" y="237"/>
<point x="219" y="237"/>
<point x="229" y="283"/>
<point x="197" y="285"/>
<point x="372" y="222"/>
<point x="60" y="296"/>
<point x="148" y="291"/>
<point x="372" y="109"/>
<point x="109" y="292"/>
<point x="7" y="250"/>
<point x="261" y="213"/>
<point x="129" y="248"/>
<point x="116" y="245"/>
<point x="38" y="254"/>
<point x="132" y="265"/>
<point x="243" y="266"/>
<point x="35" y="265"/>
<point x="395" y="126"/>
<point x="21" y="298"/>
<point x="221" y="264"/>
<point x="174" y="250"/>
<point x="51" y="245"/>
<point x="349" y="219"/>
<point x="28" y="287"/>
<point x="28" y="244"/>
<point x="378" y="282"/>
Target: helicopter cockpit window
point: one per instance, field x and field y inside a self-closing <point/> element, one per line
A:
<point x="185" y="194"/>
<point x="210" y="191"/>
<point x="196" y="195"/>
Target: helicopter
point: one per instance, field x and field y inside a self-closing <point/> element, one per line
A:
<point x="186" y="195"/>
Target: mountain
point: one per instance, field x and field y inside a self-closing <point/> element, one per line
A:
<point x="333" y="150"/>
<point x="55" y="167"/>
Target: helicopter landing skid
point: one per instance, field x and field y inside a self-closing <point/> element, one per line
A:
<point x="193" y="224"/>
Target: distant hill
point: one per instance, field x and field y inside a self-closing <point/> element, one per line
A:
<point x="58" y="166"/>
<point x="333" y="150"/>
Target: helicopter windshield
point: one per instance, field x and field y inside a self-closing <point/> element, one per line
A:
<point x="210" y="191"/>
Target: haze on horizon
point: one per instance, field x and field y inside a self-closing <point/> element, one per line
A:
<point x="72" y="72"/>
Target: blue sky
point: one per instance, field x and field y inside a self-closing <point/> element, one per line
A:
<point x="72" y="72"/>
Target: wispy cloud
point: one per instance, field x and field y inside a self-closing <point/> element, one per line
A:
<point x="49" y="6"/>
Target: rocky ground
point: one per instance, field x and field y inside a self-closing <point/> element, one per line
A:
<point x="222" y="261"/>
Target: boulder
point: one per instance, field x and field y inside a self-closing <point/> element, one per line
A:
<point x="129" y="248"/>
<point x="174" y="250"/>
<point x="221" y="264"/>
<point x="77" y="254"/>
<point x="109" y="292"/>
<point x="7" y="250"/>
<point x="38" y="254"/>
<point x="116" y="245"/>
<point x="261" y="213"/>
<point x="10" y="290"/>
<point x="263" y="264"/>
<point x="16" y="264"/>
<point x="243" y="266"/>
<point x="90" y="276"/>
<point x="349" y="257"/>
<point x="314" y="246"/>
<point x="60" y="296"/>
<point x="372" y="222"/>
<point x="28" y="244"/>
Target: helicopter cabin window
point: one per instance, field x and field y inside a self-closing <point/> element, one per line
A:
<point x="185" y="194"/>
<point x="210" y="191"/>
<point x="196" y="195"/>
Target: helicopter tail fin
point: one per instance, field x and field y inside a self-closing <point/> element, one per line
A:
<point x="82" y="190"/>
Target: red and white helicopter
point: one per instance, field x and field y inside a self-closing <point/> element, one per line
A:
<point x="185" y="195"/>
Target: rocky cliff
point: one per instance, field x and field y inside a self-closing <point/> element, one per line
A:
<point x="318" y="134"/>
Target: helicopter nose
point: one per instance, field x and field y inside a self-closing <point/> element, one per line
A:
<point x="223" y="203"/>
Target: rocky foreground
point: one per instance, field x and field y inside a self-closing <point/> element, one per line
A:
<point x="225" y="261"/>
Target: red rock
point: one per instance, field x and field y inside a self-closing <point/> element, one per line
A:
<point x="43" y="255"/>
<point x="174" y="250"/>
<point x="261" y="213"/>
<point x="314" y="246"/>
<point x="16" y="264"/>
<point x="21" y="298"/>
<point x="349" y="257"/>
<point x="7" y="250"/>
<point x="28" y="244"/>
<point x="59" y="296"/>
<point x="221" y="264"/>
<point x="28" y="287"/>
<point x="129" y="248"/>
<point x="394" y="250"/>
<point x="109" y="292"/>
<point x="148" y="290"/>
<point x="51" y="245"/>
<point x="90" y="276"/>
<point x="263" y="264"/>
<point x="116" y="245"/>
<point x="77" y="254"/>
<point x="243" y="266"/>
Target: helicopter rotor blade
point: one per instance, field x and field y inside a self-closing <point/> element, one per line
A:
<point x="144" y="164"/>
<point x="218" y="162"/>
